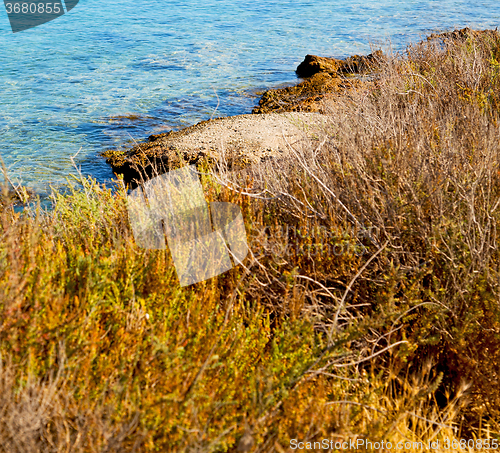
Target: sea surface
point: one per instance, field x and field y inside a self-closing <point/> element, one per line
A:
<point x="111" y="72"/>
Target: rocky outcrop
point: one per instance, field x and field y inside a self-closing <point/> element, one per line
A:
<point x="246" y="139"/>
<point x="304" y="97"/>
<point x="324" y="78"/>
<point x="313" y="64"/>
<point x="463" y="34"/>
<point x="238" y="140"/>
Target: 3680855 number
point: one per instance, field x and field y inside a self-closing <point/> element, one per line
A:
<point x="33" y="8"/>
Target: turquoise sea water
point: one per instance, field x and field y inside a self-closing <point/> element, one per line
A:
<point x="109" y="72"/>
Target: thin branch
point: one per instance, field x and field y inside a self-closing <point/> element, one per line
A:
<point x="350" y="286"/>
<point x="343" y="365"/>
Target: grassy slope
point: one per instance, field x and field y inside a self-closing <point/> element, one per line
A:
<point x="369" y="307"/>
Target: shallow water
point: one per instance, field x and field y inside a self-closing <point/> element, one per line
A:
<point x="107" y="73"/>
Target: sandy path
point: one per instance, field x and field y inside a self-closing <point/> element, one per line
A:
<point x="241" y="139"/>
<point x="260" y="132"/>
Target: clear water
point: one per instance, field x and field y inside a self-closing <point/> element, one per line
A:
<point x="109" y="72"/>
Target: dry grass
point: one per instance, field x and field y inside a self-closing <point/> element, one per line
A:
<point x="369" y="307"/>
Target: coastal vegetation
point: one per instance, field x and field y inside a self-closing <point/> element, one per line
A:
<point x="368" y="307"/>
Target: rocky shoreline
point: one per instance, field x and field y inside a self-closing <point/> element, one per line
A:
<point x="325" y="78"/>
<point x="282" y="116"/>
<point x="238" y="140"/>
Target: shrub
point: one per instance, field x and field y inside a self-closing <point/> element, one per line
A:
<point x="368" y="307"/>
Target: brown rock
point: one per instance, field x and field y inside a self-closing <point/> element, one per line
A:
<point x="313" y="64"/>
<point x="304" y="97"/>
<point x="323" y="77"/>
